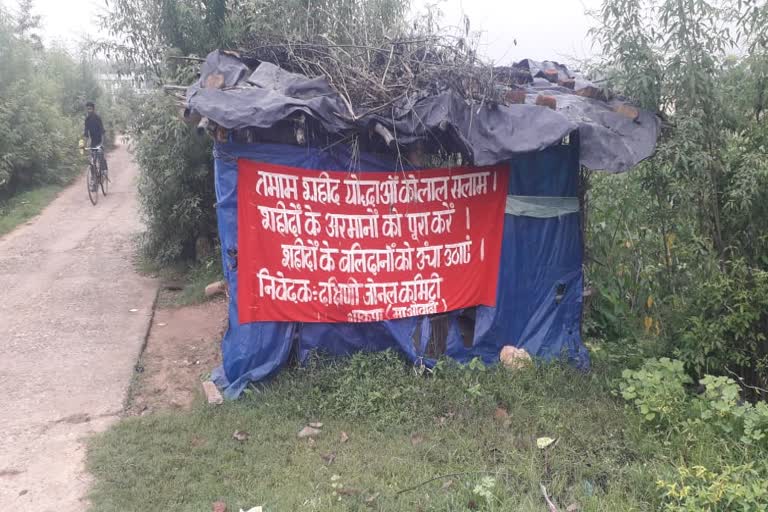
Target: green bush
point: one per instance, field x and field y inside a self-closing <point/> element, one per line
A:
<point x="657" y="390"/>
<point x="756" y="425"/>
<point x="732" y="488"/>
<point x="41" y="108"/>
<point x="727" y="324"/>
<point x="176" y="182"/>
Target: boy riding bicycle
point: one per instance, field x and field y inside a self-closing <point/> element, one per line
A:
<point x="94" y="132"/>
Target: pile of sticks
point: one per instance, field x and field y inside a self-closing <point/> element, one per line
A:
<point x="375" y="78"/>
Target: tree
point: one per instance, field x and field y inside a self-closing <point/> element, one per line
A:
<point x="28" y="23"/>
<point x="176" y="185"/>
<point x="704" y="192"/>
<point x="39" y="122"/>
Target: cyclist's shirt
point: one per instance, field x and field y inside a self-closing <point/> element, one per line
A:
<point x="94" y="129"/>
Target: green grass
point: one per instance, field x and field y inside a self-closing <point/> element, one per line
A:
<point x="603" y="459"/>
<point x="188" y="281"/>
<point x="26" y="205"/>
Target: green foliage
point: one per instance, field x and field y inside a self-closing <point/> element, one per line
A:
<point x="176" y="182"/>
<point x="756" y="424"/>
<point x="687" y="229"/>
<point x="657" y="390"/>
<point x="719" y="405"/>
<point x="717" y="416"/>
<point x="342" y="21"/>
<point x="696" y="488"/>
<point x="176" y="186"/>
<point x="721" y="408"/>
<point x="726" y="319"/>
<point x="40" y="107"/>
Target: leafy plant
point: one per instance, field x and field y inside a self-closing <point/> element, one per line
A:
<point x="696" y="488"/>
<point x="176" y="182"/>
<point x="688" y="227"/>
<point x="726" y="323"/>
<point x="756" y="425"/>
<point x="657" y="390"/>
<point x="719" y="406"/>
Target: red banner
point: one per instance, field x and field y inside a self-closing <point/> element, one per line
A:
<point x="336" y="246"/>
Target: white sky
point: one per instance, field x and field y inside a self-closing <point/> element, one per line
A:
<point x="544" y="29"/>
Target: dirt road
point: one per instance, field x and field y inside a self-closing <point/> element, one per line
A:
<point x="73" y="317"/>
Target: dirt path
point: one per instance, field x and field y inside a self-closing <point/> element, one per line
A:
<point x="73" y="317"/>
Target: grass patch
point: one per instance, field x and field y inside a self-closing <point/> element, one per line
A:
<point x="25" y="205"/>
<point x="182" y="284"/>
<point x="404" y="429"/>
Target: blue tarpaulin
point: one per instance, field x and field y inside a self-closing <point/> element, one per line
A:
<point x="539" y="286"/>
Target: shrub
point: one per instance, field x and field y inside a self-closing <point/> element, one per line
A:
<point x="719" y="405"/>
<point x="39" y="117"/>
<point x="657" y="390"/>
<point x="727" y="322"/>
<point x="696" y="488"/>
<point x="176" y="182"/>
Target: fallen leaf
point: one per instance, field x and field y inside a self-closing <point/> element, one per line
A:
<point x="347" y="491"/>
<point x="370" y="499"/>
<point x="344" y="437"/>
<point x="573" y="507"/>
<point x="448" y="484"/>
<point x="219" y="506"/>
<point x="23" y="492"/>
<point x="500" y="414"/>
<point x="544" y="442"/>
<point x="316" y="425"/>
<point x="309" y="431"/>
<point x="241" y="435"/>
<point x="329" y="458"/>
<point x="416" y="439"/>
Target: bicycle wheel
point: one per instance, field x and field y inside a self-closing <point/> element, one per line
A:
<point x="104" y="181"/>
<point x="90" y="182"/>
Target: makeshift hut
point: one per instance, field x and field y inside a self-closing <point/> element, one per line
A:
<point x="417" y="206"/>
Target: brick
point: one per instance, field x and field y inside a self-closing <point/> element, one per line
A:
<point x="212" y="393"/>
<point x="591" y="92"/>
<point x="627" y="111"/>
<point x="551" y="74"/>
<point x="214" y="81"/>
<point x="546" y="101"/>
<point x="216" y="288"/>
<point x="515" y="96"/>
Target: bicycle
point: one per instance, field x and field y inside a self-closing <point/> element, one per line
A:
<point x="96" y="176"/>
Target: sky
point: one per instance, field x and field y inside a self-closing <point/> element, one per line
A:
<point x="543" y="30"/>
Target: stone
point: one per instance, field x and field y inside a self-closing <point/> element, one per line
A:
<point x="216" y="288"/>
<point x="212" y="393"/>
<point x="514" y="358"/>
<point x="309" y="432"/>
